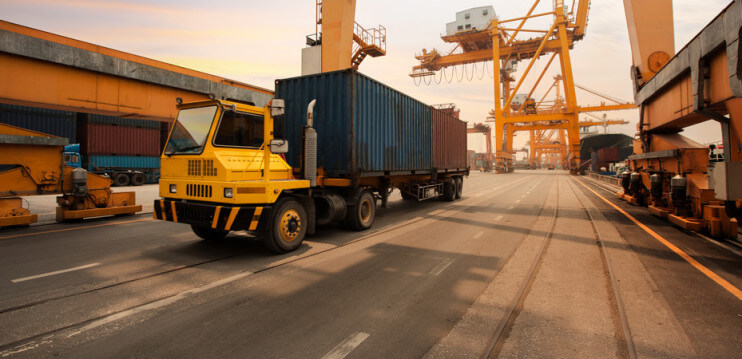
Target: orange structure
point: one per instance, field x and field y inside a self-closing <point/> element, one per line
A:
<point x="487" y="131"/>
<point x="41" y="69"/>
<point x="670" y="173"/>
<point x="498" y="42"/>
<point x="342" y="42"/>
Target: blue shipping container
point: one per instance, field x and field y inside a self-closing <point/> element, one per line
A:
<point x="124" y="162"/>
<point x="52" y="122"/>
<point x="363" y="127"/>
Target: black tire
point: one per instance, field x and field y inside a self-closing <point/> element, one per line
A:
<point x="449" y="190"/>
<point x="120" y="179"/>
<point x="138" y="179"/>
<point x="459" y="186"/>
<point x="361" y="211"/>
<point x="209" y="234"/>
<point x="287" y="227"/>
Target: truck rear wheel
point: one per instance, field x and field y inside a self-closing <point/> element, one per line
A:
<point x="361" y="212"/>
<point x="459" y="186"/>
<point x="209" y="234"/>
<point x="288" y="226"/>
<point x="120" y="179"/>
<point x="449" y="190"/>
<point x="138" y="179"/>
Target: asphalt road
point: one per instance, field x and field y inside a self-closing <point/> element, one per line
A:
<point x="136" y="287"/>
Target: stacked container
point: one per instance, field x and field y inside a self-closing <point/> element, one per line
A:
<point x="52" y="122"/>
<point x="119" y="144"/>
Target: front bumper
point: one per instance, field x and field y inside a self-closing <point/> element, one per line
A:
<point x="228" y="218"/>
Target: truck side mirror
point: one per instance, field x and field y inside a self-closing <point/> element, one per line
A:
<point x="277" y="107"/>
<point x="279" y="145"/>
<point x="278" y="112"/>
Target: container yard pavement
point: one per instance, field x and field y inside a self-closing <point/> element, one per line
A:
<point x="45" y="205"/>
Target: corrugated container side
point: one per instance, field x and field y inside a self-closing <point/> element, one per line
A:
<point x="126" y="162"/>
<point x="449" y="141"/>
<point x="119" y="121"/>
<point x="362" y="125"/>
<point x="53" y="122"/>
<point x="608" y="154"/>
<point x="393" y="132"/>
<point x="119" y="140"/>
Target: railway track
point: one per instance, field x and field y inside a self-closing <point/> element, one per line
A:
<point x="622" y="331"/>
<point x="6" y="348"/>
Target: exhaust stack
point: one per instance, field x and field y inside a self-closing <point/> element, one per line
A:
<point x="309" y="165"/>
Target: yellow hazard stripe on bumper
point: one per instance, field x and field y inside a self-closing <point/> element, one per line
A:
<point x="232" y="216"/>
<point x="255" y="219"/>
<point x="215" y="221"/>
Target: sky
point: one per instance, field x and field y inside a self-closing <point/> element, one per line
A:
<point x="257" y="42"/>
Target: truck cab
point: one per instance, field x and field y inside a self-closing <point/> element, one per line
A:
<point x="221" y="171"/>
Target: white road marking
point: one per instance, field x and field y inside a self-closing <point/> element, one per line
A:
<point x="518" y="201"/>
<point x="478" y="235"/>
<point x="157" y="304"/>
<point x="55" y="273"/>
<point x="479" y="194"/>
<point x="511" y="207"/>
<point x="343" y="349"/>
<point x="436" y="212"/>
<point x="441" y="267"/>
<point x="498" y="218"/>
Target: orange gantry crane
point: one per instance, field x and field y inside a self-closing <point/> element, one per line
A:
<point x="487" y="131"/>
<point x="339" y="42"/>
<point x="497" y="40"/>
<point x="669" y="172"/>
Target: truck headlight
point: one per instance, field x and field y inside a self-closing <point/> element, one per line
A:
<point x="227" y="193"/>
<point x="173" y="188"/>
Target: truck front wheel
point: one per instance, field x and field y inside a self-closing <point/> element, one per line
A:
<point x="288" y="226"/>
<point x="209" y="234"/>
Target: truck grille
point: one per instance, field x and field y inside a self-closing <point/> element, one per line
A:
<point x="197" y="215"/>
<point x="198" y="190"/>
<point x="199" y="167"/>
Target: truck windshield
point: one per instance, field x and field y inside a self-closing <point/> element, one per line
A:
<point x="238" y="129"/>
<point x="190" y="130"/>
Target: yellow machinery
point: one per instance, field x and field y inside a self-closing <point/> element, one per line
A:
<point x="33" y="164"/>
<point x="476" y="45"/>
<point x="669" y="172"/>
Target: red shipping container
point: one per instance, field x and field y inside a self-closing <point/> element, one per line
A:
<point x="449" y="141"/>
<point x="100" y="139"/>
<point x="608" y="154"/>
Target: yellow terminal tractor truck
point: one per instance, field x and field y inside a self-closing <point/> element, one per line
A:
<point x="326" y="149"/>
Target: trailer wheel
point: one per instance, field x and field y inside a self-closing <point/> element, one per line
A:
<point x="459" y="186"/>
<point x="288" y="226"/>
<point x="138" y="179"/>
<point x="120" y="179"/>
<point x="209" y="234"/>
<point x="361" y="212"/>
<point x="449" y="190"/>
